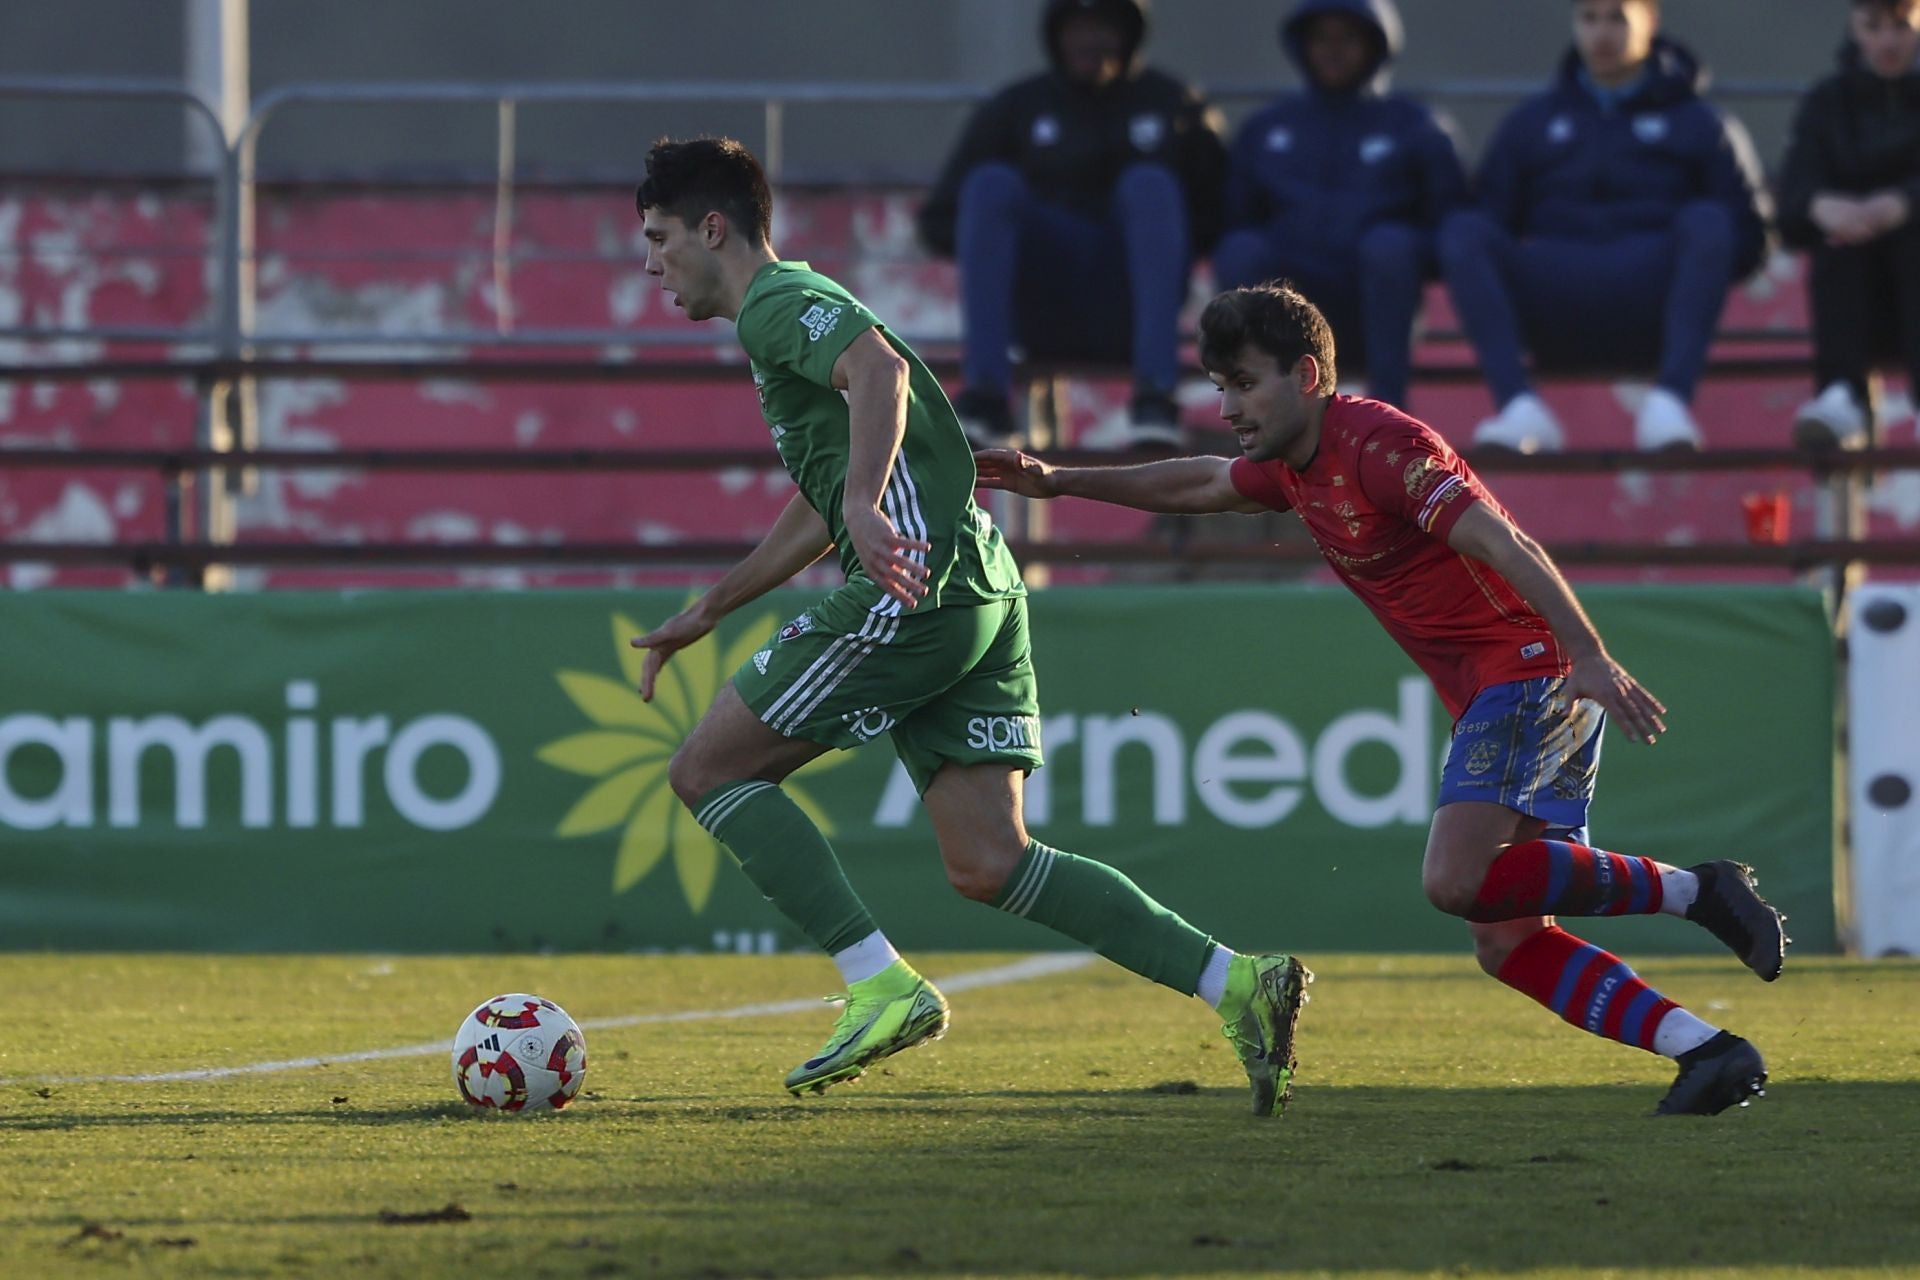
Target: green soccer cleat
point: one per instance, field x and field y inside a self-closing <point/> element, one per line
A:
<point x="1262" y="1006"/>
<point x="893" y="1010"/>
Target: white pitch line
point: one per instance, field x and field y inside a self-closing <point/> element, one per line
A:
<point x="1040" y="966"/>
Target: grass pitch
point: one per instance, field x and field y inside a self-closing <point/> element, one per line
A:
<point x="1082" y="1122"/>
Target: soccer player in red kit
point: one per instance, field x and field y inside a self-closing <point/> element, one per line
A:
<point x="1480" y="607"/>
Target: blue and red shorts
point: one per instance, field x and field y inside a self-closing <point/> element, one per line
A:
<point x="1523" y="745"/>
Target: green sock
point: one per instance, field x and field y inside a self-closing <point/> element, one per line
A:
<point x="1091" y="902"/>
<point x="787" y="859"/>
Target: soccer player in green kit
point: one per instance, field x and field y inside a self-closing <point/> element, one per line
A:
<point x="927" y="642"/>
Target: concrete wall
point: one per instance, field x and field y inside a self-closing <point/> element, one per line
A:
<point x="973" y="41"/>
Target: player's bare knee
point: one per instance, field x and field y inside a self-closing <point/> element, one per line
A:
<point x="1449" y="892"/>
<point x="687" y="778"/>
<point x="975" y="882"/>
<point x="979" y="871"/>
<point x="1491" y="951"/>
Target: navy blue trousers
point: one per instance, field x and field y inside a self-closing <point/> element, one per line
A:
<point x="1071" y="287"/>
<point x="1647" y="300"/>
<point x="1370" y="298"/>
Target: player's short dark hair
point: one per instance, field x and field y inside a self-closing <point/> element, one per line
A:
<point x="1275" y="318"/>
<point x="698" y="176"/>
<point x="1890" y="6"/>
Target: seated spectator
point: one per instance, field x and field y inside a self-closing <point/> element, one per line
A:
<point x="1616" y="209"/>
<point x="1847" y="195"/>
<point x="1075" y="203"/>
<point x="1340" y="187"/>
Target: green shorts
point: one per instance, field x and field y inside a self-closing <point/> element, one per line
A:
<point x="953" y="684"/>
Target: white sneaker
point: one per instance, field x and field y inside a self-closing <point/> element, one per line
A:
<point x="1665" y="422"/>
<point x="1831" y="420"/>
<point x="1525" y="425"/>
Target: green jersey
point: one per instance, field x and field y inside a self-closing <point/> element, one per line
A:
<point x="794" y="323"/>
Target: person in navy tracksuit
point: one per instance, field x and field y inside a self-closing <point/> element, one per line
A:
<point x="1075" y="203"/>
<point x="1340" y="187"/>
<point x="1616" y="209"/>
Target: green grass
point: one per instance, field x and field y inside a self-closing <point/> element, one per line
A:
<point x="1081" y="1123"/>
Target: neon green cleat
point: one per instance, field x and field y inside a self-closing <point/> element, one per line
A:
<point x="893" y="1010"/>
<point x="1262" y="1005"/>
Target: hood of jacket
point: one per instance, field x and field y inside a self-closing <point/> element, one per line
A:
<point x="1129" y="16"/>
<point x="1380" y="17"/>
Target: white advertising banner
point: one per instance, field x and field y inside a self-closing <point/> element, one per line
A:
<point x="1883" y="701"/>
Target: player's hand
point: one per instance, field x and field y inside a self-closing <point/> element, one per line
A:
<point x="1014" y="471"/>
<point x="665" y="640"/>
<point x="1624" y="699"/>
<point x="887" y="555"/>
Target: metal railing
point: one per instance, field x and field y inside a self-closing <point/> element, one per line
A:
<point x="189" y="557"/>
<point x="226" y="209"/>
<point x="226" y="357"/>
<point x="233" y="332"/>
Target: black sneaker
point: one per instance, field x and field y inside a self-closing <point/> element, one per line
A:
<point x="1153" y="421"/>
<point x="985" y="418"/>
<point x="1725" y="1071"/>
<point x="1733" y="911"/>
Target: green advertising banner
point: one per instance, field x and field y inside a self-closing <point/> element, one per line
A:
<point x="425" y="771"/>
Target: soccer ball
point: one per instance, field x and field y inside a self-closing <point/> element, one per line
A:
<point x="519" y="1053"/>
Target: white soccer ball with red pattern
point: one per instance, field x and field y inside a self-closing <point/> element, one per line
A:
<point x="519" y="1053"/>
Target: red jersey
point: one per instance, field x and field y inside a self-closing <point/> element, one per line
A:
<point x="1379" y="497"/>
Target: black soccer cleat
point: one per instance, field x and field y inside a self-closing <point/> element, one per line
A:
<point x="1724" y="1072"/>
<point x="1732" y="910"/>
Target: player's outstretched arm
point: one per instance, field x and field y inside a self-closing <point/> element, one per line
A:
<point x="797" y="539"/>
<point x="1174" y="486"/>
<point x="1491" y="539"/>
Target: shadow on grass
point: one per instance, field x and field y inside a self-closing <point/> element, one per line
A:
<point x="175" y="1116"/>
<point x="1817" y="1175"/>
<point x="1134" y="1182"/>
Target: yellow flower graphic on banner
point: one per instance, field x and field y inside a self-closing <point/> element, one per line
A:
<point x="628" y="751"/>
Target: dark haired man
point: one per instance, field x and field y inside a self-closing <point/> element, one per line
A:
<point x="1616" y="210"/>
<point x="1075" y="203"/>
<point x="1482" y="610"/>
<point x="927" y="642"/>
<point x="1847" y="193"/>
<point x="1341" y="186"/>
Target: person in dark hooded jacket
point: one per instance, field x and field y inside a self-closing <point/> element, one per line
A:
<point x="1848" y="193"/>
<point x="1617" y="208"/>
<point x="1075" y="202"/>
<point x="1341" y="186"/>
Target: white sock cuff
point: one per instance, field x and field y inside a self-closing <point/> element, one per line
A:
<point x="1213" y="977"/>
<point x="1678" y="890"/>
<point x="1680" y="1032"/>
<point x="865" y="958"/>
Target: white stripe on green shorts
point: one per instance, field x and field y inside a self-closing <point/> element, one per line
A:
<point x="822" y="667"/>
<point x="886" y="632"/>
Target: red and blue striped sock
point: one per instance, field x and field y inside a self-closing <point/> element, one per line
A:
<point x="1559" y="878"/>
<point x="1591" y="988"/>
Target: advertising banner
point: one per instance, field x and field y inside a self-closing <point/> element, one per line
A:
<point x="420" y="771"/>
